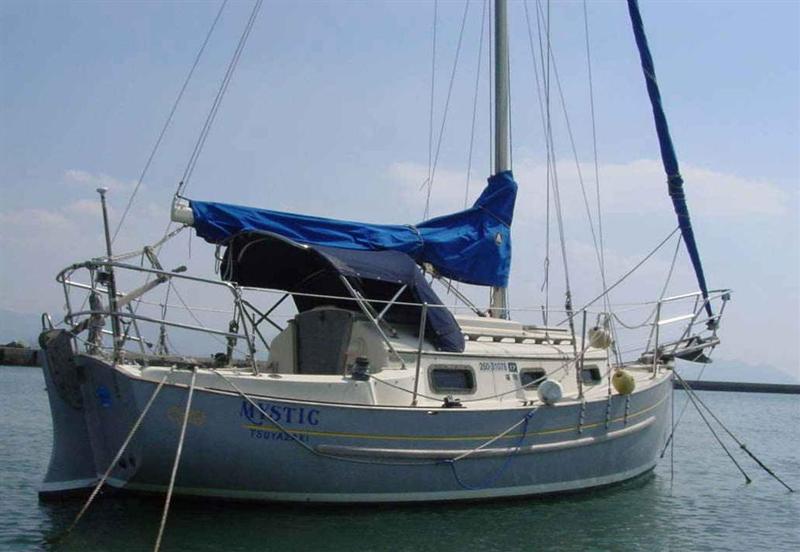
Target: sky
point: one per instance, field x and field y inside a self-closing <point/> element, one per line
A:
<point x="328" y="113"/>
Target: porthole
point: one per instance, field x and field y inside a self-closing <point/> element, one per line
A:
<point x="530" y="378"/>
<point x="591" y="375"/>
<point x="452" y="378"/>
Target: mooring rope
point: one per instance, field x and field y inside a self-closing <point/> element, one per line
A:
<point x="119" y="454"/>
<point x="493" y="478"/>
<point x="714" y="433"/>
<point x="177" y="461"/>
<point x="675" y="424"/>
<point x="693" y="396"/>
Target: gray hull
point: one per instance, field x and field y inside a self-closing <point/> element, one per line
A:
<point x="72" y="464"/>
<point x="352" y="454"/>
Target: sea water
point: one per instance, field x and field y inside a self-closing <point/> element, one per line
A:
<point x="695" y="499"/>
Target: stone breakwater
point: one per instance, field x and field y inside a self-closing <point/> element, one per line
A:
<point x="20" y="356"/>
<point x="740" y="387"/>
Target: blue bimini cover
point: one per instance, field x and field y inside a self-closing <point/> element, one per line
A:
<point x="313" y="274"/>
<point x="471" y="246"/>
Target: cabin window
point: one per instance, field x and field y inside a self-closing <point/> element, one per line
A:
<point x="452" y="378"/>
<point x="530" y="378"/>
<point x="591" y="375"/>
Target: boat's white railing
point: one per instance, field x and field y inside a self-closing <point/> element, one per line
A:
<point x="246" y="322"/>
<point x="697" y="330"/>
<point x="81" y="318"/>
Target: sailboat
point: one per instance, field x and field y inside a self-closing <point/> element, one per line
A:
<point x="374" y="391"/>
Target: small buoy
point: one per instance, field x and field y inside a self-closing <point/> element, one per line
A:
<point x="600" y="338"/>
<point x="549" y="391"/>
<point x="623" y="382"/>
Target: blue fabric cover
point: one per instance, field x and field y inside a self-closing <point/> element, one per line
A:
<point x="441" y="326"/>
<point x="668" y="157"/>
<point x="471" y="246"/>
<point x="313" y="274"/>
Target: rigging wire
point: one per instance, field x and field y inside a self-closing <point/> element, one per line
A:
<point x="474" y="119"/>
<point x="432" y="172"/>
<point x="600" y="237"/>
<point x="475" y="104"/>
<point x="197" y="320"/>
<point x="535" y="65"/>
<point x="546" y="123"/>
<point x="581" y="182"/>
<point x="433" y="90"/>
<point x="554" y="180"/>
<point x="649" y="317"/>
<point x="212" y="114"/>
<point x="168" y="121"/>
<point x="624" y="276"/>
<point x="138" y="252"/>
<point x="210" y="120"/>
<point x="552" y="172"/>
<point x="594" y="147"/>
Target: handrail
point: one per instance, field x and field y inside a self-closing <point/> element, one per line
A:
<point x="244" y="307"/>
<point x="87" y="287"/>
<point x="711" y="324"/>
<point x="133" y="316"/>
<point x="130" y="337"/>
<point x="713" y="294"/>
<point x="423" y="319"/>
<point x="362" y="304"/>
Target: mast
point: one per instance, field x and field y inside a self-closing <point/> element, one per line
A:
<point x="111" y="285"/>
<point x="498" y="301"/>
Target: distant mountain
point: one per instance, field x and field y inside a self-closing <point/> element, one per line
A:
<point x="18" y="326"/>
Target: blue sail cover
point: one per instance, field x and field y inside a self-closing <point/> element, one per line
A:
<point x="471" y="246"/>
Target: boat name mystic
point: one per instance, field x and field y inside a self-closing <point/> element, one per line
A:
<point x="282" y="414"/>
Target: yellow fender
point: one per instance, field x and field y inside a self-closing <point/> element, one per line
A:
<point x="623" y="382"/>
